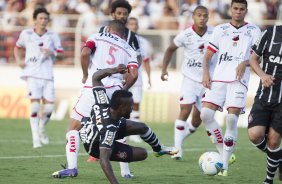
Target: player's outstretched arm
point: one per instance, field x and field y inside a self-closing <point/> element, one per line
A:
<point x="105" y="154"/>
<point x="99" y="75"/>
<point x="166" y="59"/>
<point x="266" y="80"/>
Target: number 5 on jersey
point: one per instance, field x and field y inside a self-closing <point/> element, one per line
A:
<point x="111" y="53"/>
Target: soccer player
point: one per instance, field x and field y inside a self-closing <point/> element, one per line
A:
<point x="34" y="53"/>
<point x="109" y="124"/>
<point x="228" y="86"/>
<point x="103" y="50"/>
<point x="194" y="40"/>
<point x="136" y="89"/>
<point x="120" y="10"/>
<point x="265" y="120"/>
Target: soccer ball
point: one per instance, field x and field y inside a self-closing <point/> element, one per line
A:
<point x="210" y="163"/>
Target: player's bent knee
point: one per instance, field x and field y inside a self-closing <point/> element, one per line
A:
<point x="207" y="114"/>
<point x="74" y="125"/>
<point x="254" y="136"/>
<point x="139" y="154"/>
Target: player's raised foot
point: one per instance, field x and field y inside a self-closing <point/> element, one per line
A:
<point x="166" y="151"/>
<point x="223" y="172"/>
<point x="127" y="176"/>
<point x="177" y="156"/>
<point x="92" y="159"/>
<point x="65" y="173"/>
<point x="232" y="159"/>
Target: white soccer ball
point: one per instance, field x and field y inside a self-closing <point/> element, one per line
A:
<point x="210" y="163"/>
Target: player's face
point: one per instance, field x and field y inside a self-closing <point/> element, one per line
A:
<point x="201" y="17"/>
<point x="238" y="11"/>
<point x="120" y="14"/>
<point x="132" y="25"/>
<point x="41" y="20"/>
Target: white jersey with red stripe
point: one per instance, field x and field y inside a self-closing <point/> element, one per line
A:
<point x="108" y="51"/>
<point x="145" y="54"/>
<point x="233" y="46"/>
<point x="36" y="64"/>
<point x="194" y="48"/>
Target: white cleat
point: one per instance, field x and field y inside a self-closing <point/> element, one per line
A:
<point x="177" y="156"/>
<point x="37" y="144"/>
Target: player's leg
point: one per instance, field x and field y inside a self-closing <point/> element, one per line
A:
<point x="48" y="107"/>
<point x="148" y="136"/>
<point x="34" y="89"/>
<point x="273" y="154"/>
<point x="80" y="112"/>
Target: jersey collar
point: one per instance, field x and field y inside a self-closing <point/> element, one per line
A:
<point x="239" y="26"/>
<point x="193" y="28"/>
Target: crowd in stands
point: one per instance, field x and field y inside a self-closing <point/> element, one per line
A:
<point x="66" y="15"/>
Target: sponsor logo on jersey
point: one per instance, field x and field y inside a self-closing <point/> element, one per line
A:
<point x="275" y="59"/>
<point x="225" y="57"/>
<point x="32" y="60"/>
<point x="193" y="63"/>
<point x="235" y="40"/>
<point x="201" y="48"/>
<point x="109" y="138"/>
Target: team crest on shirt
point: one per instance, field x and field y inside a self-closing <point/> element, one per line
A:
<point x="235" y="40"/>
<point x="201" y="48"/>
<point x="122" y="155"/>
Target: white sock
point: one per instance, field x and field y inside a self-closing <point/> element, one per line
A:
<point x="34" y="123"/>
<point x="213" y="128"/>
<point x="124" y="167"/>
<point x="230" y="138"/>
<point x="180" y="132"/>
<point x="190" y="128"/>
<point x="72" y="148"/>
<point x="47" y="111"/>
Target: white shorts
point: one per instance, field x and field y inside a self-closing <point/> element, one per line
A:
<point x="86" y="100"/>
<point x="137" y="92"/>
<point x="227" y="94"/>
<point x="40" y="88"/>
<point x="191" y="92"/>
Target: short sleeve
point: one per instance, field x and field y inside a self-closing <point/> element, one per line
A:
<point x="179" y="39"/>
<point x="57" y="43"/>
<point x="213" y="42"/>
<point x="21" y="41"/>
<point x="132" y="59"/>
<point x="261" y="43"/>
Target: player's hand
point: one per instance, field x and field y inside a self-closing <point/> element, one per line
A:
<point x="121" y="69"/>
<point x="164" y="76"/>
<point x="206" y="81"/>
<point x="84" y="78"/>
<point x="267" y="80"/>
<point x="22" y="65"/>
<point x="46" y="52"/>
<point x="240" y="70"/>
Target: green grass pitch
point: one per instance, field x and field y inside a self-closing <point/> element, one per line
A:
<point x="21" y="164"/>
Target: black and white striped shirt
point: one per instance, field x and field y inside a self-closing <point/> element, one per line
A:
<point x="269" y="47"/>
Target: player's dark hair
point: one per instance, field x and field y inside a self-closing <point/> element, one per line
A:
<point x="38" y="11"/>
<point x="133" y="18"/>
<point x="117" y="26"/>
<point x="200" y="7"/>
<point x="240" y="1"/>
<point x="121" y="4"/>
<point x="117" y="98"/>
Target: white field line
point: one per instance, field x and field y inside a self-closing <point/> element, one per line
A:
<point x="84" y="154"/>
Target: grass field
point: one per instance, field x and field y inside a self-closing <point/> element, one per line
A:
<point x="21" y="164"/>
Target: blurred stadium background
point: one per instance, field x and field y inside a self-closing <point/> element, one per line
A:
<point x="75" y="20"/>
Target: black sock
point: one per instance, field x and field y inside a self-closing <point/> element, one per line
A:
<point x="262" y="145"/>
<point x="151" y="138"/>
<point x="273" y="159"/>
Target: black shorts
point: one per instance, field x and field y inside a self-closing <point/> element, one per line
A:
<point x="121" y="152"/>
<point x="264" y="114"/>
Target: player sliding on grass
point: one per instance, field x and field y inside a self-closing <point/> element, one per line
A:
<point x="108" y="123"/>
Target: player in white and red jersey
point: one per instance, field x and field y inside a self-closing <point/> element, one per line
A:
<point x="104" y="50"/>
<point x="38" y="45"/>
<point x="195" y="41"/>
<point x="137" y="88"/>
<point x="228" y="86"/>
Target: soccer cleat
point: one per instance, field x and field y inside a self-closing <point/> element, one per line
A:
<point x="127" y="176"/>
<point x="223" y="172"/>
<point x="232" y="159"/>
<point x="65" y="173"/>
<point x="166" y="151"/>
<point x="37" y="144"/>
<point x="177" y="156"/>
<point x="44" y="138"/>
<point x="92" y="159"/>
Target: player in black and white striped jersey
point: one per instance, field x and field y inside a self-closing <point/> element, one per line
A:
<point x="265" y="119"/>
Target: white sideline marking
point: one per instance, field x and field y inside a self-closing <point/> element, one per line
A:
<point x="85" y="154"/>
